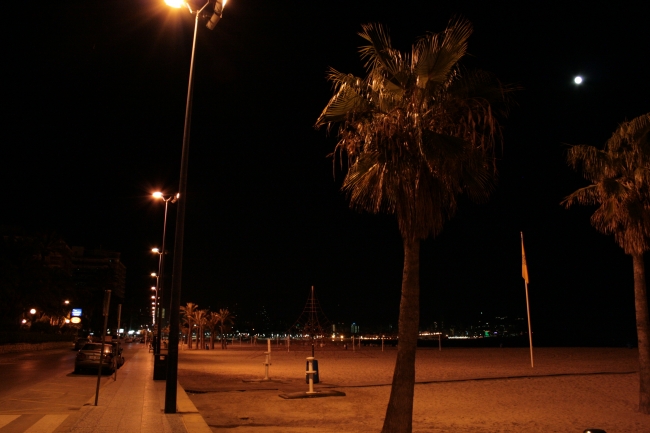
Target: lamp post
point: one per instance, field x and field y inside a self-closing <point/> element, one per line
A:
<point x="172" y="354"/>
<point x="159" y="299"/>
<point x="161" y="261"/>
<point x="154" y="304"/>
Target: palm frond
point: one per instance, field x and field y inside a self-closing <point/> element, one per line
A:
<point x="380" y="55"/>
<point x="436" y="54"/>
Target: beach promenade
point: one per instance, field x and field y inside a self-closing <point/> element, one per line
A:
<point x="133" y="404"/>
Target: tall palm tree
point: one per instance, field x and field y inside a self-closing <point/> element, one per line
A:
<point x="212" y="323"/>
<point x="188" y="312"/>
<point x="226" y="319"/>
<point x="620" y="176"/>
<point x="415" y="133"/>
<point x="200" y="320"/>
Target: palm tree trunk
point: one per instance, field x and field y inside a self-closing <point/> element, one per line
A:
<point x="642" y="332"/>
<point x="189" y="334"/>
<point x="399" y="414"/>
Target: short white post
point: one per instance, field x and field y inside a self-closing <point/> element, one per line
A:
<point x="382" y="343"/>
<point x="268" y="360"/>
<point x="310" y="373"/>
<point x="288" y="342"/>
<point x="353" y="349"/>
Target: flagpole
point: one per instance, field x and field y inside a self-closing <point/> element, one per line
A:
<point x="524" y="270"/>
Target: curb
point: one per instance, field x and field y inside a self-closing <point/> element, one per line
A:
<point x="194" y="422"/>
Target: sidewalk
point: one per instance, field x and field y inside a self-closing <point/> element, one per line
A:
<point x="135" y="403"/>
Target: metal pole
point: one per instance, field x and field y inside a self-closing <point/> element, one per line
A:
<point x="107" y="303"/>
<point x="524" y="274"/>
<point x="160" y="281"/>
<point x="530" y="332"/>
<point x="171" y="386"/>
<point x="119" y="317"/>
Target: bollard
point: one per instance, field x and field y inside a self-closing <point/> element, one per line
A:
<point x="268" y="360"/>
<point x="310" y="374"/>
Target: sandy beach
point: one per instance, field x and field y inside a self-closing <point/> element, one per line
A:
<point x="457" y="390"/>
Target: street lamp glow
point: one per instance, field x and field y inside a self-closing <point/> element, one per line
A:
<point x="32" y="311"/>
<point x="153" y="274"/>
<point x="66" y="302"/>
<point x="153" y="297"/>
<point x="578" y="80"/>
<point x="157" y="194"/>
<point x="175" y="3"/>
<point x="153" y="288"/>
<point x="155" y="250"/>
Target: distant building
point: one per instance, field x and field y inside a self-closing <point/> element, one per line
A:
<point x="354" y="328"/>
<point x="99" y="269"/>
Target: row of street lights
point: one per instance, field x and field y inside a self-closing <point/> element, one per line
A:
<point x="175" y="295"/>
<point x="157" y="309"/>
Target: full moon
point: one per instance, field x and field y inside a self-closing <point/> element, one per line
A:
<point x="577" y="80"/>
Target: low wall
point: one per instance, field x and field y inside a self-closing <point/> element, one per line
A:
<point x="27" y="347"/>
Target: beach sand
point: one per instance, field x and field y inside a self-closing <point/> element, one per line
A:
<point x="457" y="390"/>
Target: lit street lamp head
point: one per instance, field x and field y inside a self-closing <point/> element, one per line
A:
<point x="155" y="250"/>
<point x="216" y="16"/>
<point x="175" y="3"/>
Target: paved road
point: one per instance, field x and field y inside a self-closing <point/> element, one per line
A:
<point x="39" y="390"/>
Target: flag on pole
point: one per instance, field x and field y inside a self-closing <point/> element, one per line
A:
<point x="524" y="267"/>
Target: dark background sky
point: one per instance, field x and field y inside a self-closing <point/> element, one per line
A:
<point x="94" y="99"/>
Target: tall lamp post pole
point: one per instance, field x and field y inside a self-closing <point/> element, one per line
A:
<point x="160" y="282"/>
<point x="174" y="312"/>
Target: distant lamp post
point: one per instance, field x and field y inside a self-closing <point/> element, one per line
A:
<point x="161" y="261"/>
<point x="156" y="303"/>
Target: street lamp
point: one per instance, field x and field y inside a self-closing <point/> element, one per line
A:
<point x="161" y="261"/>
<point x="174" y="312"/>
<point x="154" y="303"/>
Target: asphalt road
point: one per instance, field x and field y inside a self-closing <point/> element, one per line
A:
<point x="45" y="382"/>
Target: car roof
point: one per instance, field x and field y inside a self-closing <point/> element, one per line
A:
<point x="94" y="346"/>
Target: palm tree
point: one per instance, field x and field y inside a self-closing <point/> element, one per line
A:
<point x="212" y="323"/>
<point x="415" y="133"/>
<point x="225" y="320"/>
<point x="188" y="312"/>
<point x="620" y="176"/>
<point x="200" y="320"/>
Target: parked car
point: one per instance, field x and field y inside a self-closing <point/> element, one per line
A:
<point x="88" y="357"/>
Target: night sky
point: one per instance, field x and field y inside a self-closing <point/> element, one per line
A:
<point x="94" y="97"/>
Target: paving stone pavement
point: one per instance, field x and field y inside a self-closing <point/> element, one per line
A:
<point x="133" y="403"/>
